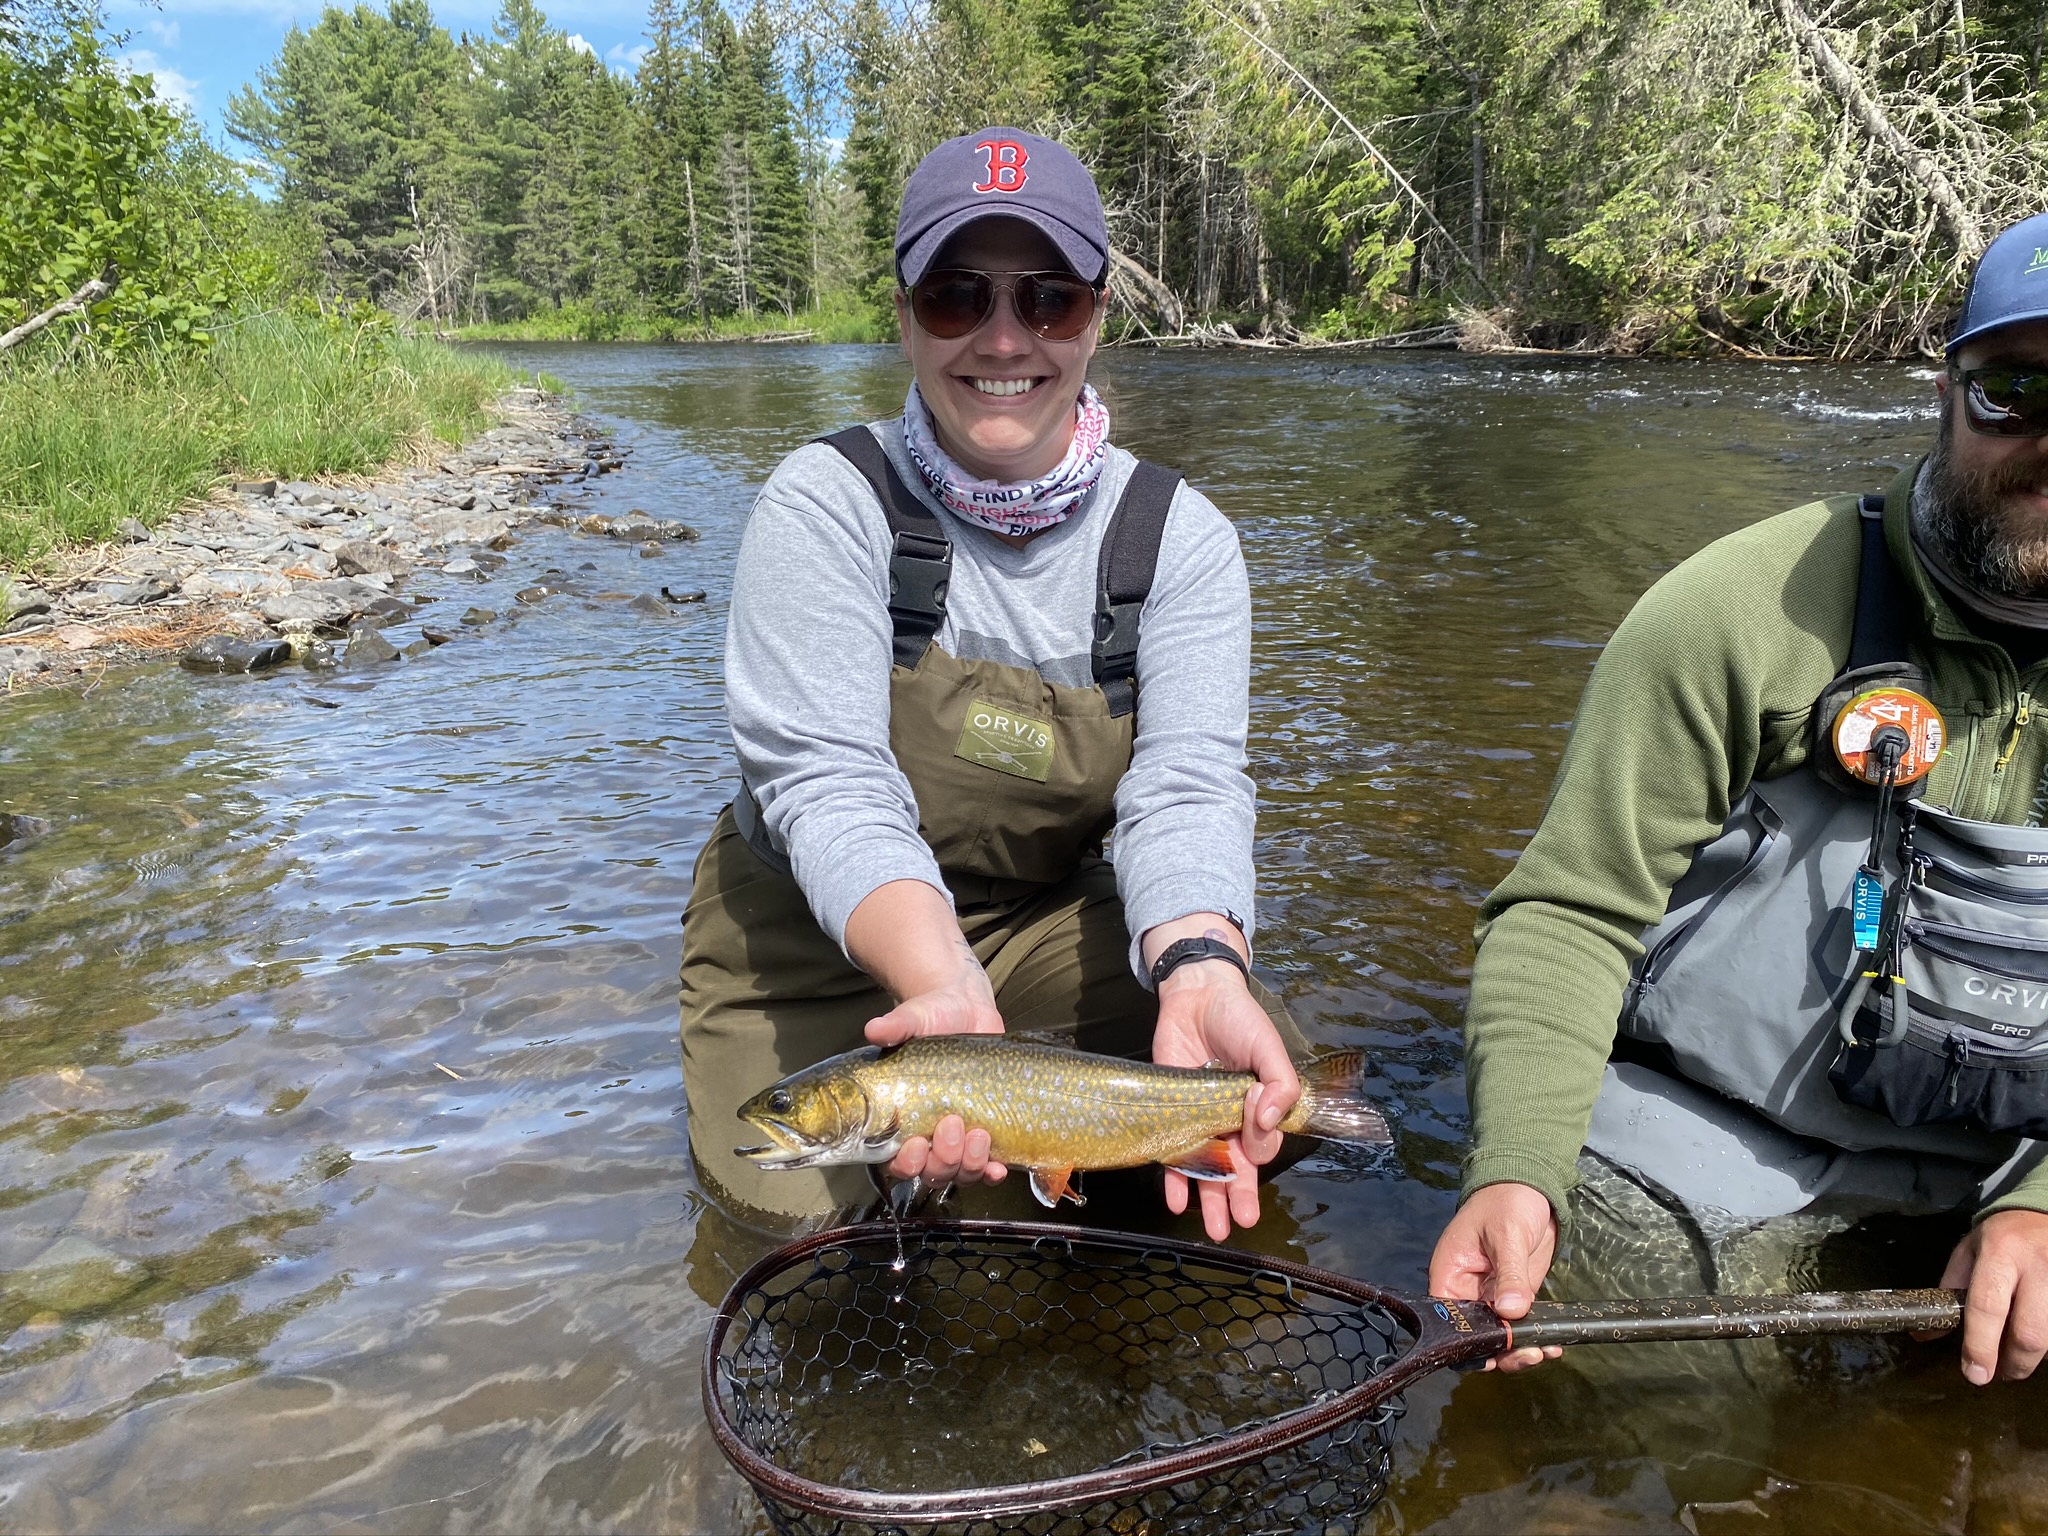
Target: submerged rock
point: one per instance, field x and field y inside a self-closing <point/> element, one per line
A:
<point x="649" y="604"/>
<point x="18" y="828"/>
<point x="476" y="618"/>
<point x="231" y="653"/>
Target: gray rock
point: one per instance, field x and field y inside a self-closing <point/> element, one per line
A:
<point x="387" y="610"/>
<point x="27" y="624"/>
<point x="690" y="595"/>
<point x="131" y="532"/>
<point x="476" y="618"/>
<point x="23" y="602"/>
<point x="367" y="647"/>
<point x="649" y="528"/>
<point x="361" y="557"/>
<point x="461" y="568"/>
<point x="649" y="604"/>
<point x="18" y="828"/>
<point x="651" y="551"/>
<point x="418" y="648"/>
<point x="20" y="661"/>
<point x="223" y="583"/>
<point x="135" y="593"/>
<point x="305" y="492"/>
<point x="535" y="594"/>
<point x="305" y="611"/>
<point x="318" y="656"/>
<point x="255" y="488"/>
<point x="230" y="653"/>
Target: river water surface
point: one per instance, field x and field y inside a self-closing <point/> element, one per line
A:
<point x="342" y="1149"/>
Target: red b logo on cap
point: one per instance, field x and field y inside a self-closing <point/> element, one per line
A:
<point x="1006" y="161"/>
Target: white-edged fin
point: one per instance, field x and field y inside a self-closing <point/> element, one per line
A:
<point x="1211" y="1160"/>
<point x="1051" y="1185"/>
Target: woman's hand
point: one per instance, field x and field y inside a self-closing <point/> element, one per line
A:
<point x="954" y="1154"/>
<point x="1207" y="1014"/>
<point x="904" y="935"/>
<point x="2004" y="1265"/>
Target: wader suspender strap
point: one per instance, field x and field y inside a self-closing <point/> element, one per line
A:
<point x="1880" y="596"/>
<point x="1130" y="557"/>
<point x="922" y="564"/>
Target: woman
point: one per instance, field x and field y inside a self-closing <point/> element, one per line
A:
<point x="965" y="645"/>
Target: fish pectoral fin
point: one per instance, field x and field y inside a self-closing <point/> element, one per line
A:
<point x="1211" y="1160"/>
<point x="1051" y="1185"/>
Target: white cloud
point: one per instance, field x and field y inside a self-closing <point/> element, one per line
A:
<point x="576" y="41"/>
<point x="163" y="33"/>
<point x="626" y="60"/>
<point x="179" y="90"/>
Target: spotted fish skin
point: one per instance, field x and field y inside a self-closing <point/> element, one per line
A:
<point x="1045" y="1108"/>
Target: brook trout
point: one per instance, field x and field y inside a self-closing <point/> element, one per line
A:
<point x="1048" y="1110"/>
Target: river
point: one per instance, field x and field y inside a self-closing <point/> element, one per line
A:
<point x="337" y="1013"/>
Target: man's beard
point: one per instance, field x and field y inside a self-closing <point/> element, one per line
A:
<point x="1969" y="518"/>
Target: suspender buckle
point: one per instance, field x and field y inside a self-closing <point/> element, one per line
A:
<point x="1116" y="628"/>
<point x="918" y="574"/>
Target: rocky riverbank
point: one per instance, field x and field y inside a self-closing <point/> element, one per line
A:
<point x="268" y="573"/>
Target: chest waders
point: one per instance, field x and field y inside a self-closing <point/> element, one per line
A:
<point x="1916" y="1042"/>
<point x="1015" y="781"/>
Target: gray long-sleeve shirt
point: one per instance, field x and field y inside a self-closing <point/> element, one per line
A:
<point x="807" y="683"/>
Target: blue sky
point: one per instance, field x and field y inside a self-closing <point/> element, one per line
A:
<point x="203" y="51"/>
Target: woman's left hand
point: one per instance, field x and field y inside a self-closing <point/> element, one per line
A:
<point x="1207" y="1014"/>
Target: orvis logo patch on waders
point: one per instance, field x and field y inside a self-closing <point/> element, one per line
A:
<point x="1863" y="968"/>
<point x="1007" y="741"/>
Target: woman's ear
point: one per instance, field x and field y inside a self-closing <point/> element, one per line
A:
<point x="903" y="322"/>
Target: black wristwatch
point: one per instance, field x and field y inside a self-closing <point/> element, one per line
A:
<point x="1181" y="951"/>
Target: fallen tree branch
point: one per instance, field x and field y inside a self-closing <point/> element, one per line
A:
<point x="1164" y="301"/>
<point x="91" y="293"/>
<point x="1962" y="224"/>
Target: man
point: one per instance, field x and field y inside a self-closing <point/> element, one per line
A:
<point x="1837" y="1014"/>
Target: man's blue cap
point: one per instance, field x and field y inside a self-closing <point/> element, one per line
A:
<point x="1002" y="171"/>
<point x="2010" y="283"/>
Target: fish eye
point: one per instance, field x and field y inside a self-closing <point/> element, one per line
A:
<point x="780" y="1102"/>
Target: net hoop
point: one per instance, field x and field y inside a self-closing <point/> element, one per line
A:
<point x="1225" y="1453"/>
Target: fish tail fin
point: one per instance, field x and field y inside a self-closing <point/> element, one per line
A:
<point x="1333" y="1101"/>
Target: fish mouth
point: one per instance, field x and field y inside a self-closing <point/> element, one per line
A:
<point x="786" y="1147"/>
<point x="789" y="1148"/>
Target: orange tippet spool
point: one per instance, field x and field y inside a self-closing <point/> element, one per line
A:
<point x="1863" y="715"/>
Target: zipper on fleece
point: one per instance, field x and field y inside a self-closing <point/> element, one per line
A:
<point x="2023" y="711"/>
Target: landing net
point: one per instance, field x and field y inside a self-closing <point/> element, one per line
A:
<point x="981" y="1378"/>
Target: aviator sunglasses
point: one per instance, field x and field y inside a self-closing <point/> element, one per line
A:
<point x="2004" y="401"/>
<point x="1055" y="305"/>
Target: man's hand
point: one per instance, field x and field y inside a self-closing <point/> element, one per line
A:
<point x="1207" y="1014"/>
<point x="2004" y="1264"/>
<point x="1497" y="1249"/>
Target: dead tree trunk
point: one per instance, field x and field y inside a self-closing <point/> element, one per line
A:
<point x="91" y="293"/>
<point x="1917" y="163"/>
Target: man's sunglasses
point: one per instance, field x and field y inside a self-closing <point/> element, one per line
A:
<point x="1055" y="305"/>
<point x="2004" y="401"/>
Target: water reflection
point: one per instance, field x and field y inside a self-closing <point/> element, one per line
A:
<point x="341" y="1145"/>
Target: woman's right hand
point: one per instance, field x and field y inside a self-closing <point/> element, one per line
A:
<point x="1497" y="1249"/>
<point x="953" y="1154"/>
<point x="904" y="935"/>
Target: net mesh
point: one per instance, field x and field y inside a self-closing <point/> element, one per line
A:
<point x="942" y="1361"/>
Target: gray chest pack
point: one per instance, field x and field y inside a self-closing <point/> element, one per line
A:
<point x="1923" y="1027"/>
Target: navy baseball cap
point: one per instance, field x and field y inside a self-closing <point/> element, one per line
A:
<point x="1002" y="171"/>
<point x="2010" y="283"/>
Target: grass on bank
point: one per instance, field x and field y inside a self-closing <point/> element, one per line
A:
<point x="836" y="318"/>
<point x="85" y="444"/>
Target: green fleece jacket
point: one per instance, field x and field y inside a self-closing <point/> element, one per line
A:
<point x="1708" y="683"/>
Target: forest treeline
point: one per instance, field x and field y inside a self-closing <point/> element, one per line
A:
<point x="1775" y="176"/>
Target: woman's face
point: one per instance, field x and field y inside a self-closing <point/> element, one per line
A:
<point x="1000" y="436"/>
